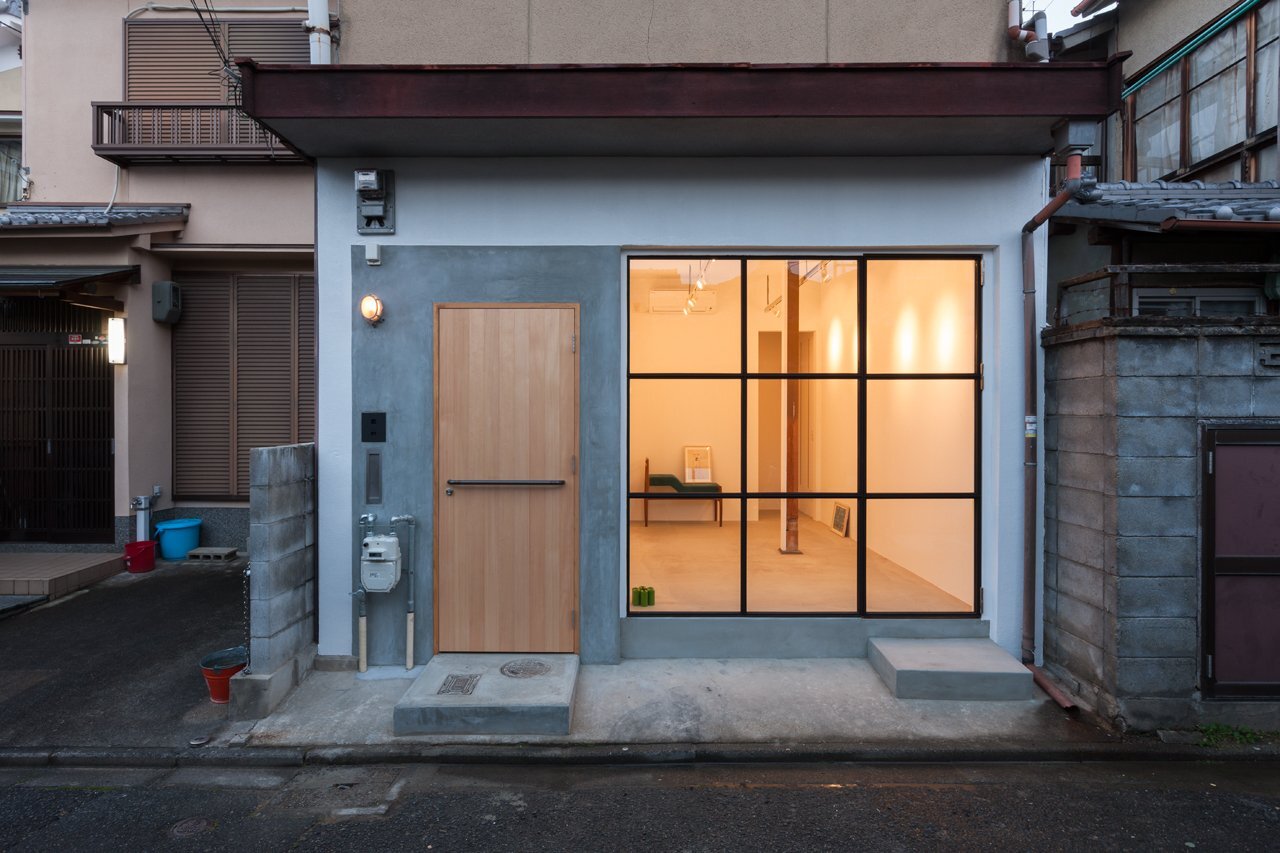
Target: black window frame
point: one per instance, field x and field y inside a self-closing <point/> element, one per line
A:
<point x="862" y="377"/>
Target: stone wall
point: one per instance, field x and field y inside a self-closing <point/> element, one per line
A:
<point x="1126" y="406"/>
<point x="282" y="593"/>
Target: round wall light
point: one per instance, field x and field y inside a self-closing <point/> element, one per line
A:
<point x="371" y="309"/>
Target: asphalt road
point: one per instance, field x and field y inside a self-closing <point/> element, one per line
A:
<point x="118" y="664"/>
<point x="1099" y="806"/>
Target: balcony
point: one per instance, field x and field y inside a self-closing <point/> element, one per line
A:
<point x="137" y="134"/>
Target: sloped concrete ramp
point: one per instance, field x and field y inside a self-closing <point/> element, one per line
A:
<point x="970" y="669"/>
<point x="510" y="694"/>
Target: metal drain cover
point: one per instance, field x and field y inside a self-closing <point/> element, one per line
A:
<point x="525" y="668"/>
<point x="458" y="684"/>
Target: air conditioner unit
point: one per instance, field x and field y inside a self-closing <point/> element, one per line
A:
<point x="675" y="301"/>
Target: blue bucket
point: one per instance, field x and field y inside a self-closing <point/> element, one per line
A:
<point x="177" y="537"/>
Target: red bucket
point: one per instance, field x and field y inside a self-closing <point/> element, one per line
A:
<point x="140" y="557"/>
<point x="218" y="669"/>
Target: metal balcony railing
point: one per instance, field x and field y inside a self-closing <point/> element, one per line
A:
<point x="132" y="134"/>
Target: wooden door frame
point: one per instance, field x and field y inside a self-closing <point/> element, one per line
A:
<point x="575" y="604"/>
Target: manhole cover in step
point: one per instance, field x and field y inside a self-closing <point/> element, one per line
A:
<point x="459" y="684"/>
<point x="525" y="668"/>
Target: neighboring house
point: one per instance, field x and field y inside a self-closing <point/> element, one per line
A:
<point x="10" y="102"/>
<point x="138" y="168"/>
<point x="1162" y="539"/>
<point x="680" y="331"/>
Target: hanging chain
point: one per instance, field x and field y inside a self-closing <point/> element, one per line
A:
<point x="247" y="571"/>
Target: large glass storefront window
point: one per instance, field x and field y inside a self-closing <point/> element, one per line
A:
<point x="803" y="435"/>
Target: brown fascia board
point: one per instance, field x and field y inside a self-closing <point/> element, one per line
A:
<point x="1084" y="90"/>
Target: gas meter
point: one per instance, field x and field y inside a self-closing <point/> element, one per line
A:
<point x="380" y="563"/>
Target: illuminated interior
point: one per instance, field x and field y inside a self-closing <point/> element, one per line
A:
<point x="746" y="433"/>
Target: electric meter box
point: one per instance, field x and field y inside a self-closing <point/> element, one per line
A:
<point x="380" y="563"/>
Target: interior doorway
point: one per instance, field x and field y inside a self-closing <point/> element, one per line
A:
<point x="506" y="491"/>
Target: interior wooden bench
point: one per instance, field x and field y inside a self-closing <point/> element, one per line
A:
<point x="680" y="487"/>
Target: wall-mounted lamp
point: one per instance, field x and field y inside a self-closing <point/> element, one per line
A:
<point x="115" y="340"/>
<point x="371" y="309"/>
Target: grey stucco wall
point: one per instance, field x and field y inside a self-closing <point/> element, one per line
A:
<point x="1126" y="407"/>
<point x="392" y="370"/>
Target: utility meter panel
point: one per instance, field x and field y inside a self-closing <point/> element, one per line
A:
<point x="379" y="563"/>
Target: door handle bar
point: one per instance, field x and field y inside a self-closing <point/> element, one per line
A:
<point x="505" y="482"/>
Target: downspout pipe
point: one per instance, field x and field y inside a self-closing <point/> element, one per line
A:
<point x="1073" y="139"/>
<point x="317" y="26"/>
<point x="1016" y="32"/>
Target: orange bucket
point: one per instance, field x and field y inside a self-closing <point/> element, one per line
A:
<point x="140" y="557"/>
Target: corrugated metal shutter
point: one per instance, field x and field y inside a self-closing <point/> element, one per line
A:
<point x="177" y="61"/>
<point x="269" y="41"/>
<point x="264" y="367"/>
<point x="306" y="358"/>
<point x="202" y="346"/>
<point x="258" y="387"/>
<point x="171" y="61"/>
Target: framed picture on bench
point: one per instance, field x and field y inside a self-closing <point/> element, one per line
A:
<point x="697" y="463"/>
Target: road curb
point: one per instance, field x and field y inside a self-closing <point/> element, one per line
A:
<point x="620" y="754"/>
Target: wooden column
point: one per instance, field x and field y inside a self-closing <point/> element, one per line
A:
<point x="791" y="537"/>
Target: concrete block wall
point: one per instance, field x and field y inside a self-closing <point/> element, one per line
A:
<point x="1126" y="405"/>
<point x="282" y="563"/>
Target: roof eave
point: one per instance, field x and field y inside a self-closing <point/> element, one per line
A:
<point x="302" y="103"/>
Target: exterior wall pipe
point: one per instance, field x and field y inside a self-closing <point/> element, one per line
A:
<point x="1016" y="31"/>
<point x="363" y="643"/>
<point x="413" y="553"/>
<point x="317" y="25"/>
<point x="1031" y="408"/>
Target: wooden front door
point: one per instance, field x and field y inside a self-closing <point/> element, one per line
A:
<point x="506" y="478"/>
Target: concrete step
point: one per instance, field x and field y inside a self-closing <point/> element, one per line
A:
<point x="517" y="694"/>
<point x="972" y="669"/>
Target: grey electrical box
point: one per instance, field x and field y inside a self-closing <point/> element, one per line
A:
<point x="166" y="301"/>
<point x="375" y="201"/>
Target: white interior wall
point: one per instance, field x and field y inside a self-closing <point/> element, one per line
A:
<point x="974" y="204"/>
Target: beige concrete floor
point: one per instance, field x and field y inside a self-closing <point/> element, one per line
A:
<point x="828" y="700"/>
<point x="54" y="573"/>
<point x="693" y="568"/>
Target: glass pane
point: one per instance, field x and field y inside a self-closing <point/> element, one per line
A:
<point x="688" y="430"/>
<point x="1159" y="91"/>
<point x="1268" y="22"/>
<point x="920" y="316"/>
<point x="1157" y="140"/>
<point x="1224" y="49"/>
<point x="816" y="299"/>
<point x="1268" y="77"/>
<point x="1217" y="113"/>
<point x="920" y="556"/>
<point x="824" y="444"/>
<point x="1268" y="163"/>
<point x="691" y="566"/>
<point x="814" y="569"/>
<point x="920" y="435"/>
<point x="670" y="335"/>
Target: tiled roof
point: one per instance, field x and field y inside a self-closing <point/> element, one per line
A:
<point x="1163" y="204"/>
<point x="29" y="215"/>
<point x="47" y="277"/>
